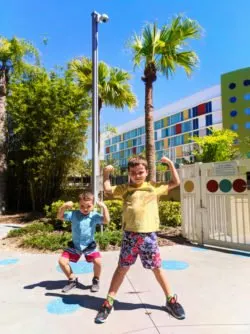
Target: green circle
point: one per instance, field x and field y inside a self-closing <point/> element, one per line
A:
<point x="225" y="185"/>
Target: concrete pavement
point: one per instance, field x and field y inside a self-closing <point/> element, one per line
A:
<point x="214" y="288"/>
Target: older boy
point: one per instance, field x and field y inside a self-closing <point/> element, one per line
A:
<point x="84" y="223"/>
<point x="140" y="223"/>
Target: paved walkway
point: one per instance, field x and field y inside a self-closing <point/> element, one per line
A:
<point x="214" y="288"/>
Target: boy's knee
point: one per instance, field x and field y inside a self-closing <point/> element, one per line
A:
<point x="156" y="271"/>
<point x="63" y="261"/>
<point x="122" y="270"/>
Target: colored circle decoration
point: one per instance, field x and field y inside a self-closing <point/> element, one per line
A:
<point x="189" y="186"/>
<point x="234" y="127"/>
<point x="232" y="85"/>
<point x="247" y="111"/>
<point x="58" y="306"/>
<point x="174" y="265"/>
<point x="212" y="186"/>
<point x="233" y="99"/>
<point x="247" y="96"/>
<point x="247" y="125"/>
<point x="246" y="82"/>
<point x="233" y="113"/>
<point x="239" y="185"/>
<point x="6" y="262"/>
<point x="81" y="267"/>
<point x="225" y="185"/>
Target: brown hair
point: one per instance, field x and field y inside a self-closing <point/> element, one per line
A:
<point x="86" y="196"/>
<point x="139" y="160"/>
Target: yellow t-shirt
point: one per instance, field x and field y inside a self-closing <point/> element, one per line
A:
<point x="140" y="205"/>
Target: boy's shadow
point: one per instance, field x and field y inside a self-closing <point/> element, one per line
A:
<point x="55" y="285"/>
<point x="93" y="303"/>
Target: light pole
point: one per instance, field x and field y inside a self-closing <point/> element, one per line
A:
<point x="96" y="18"/>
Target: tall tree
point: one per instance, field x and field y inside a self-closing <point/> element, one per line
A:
<point x="161" y="51"/>
<point x="48" y="124"/>
<point x="113" y="87"/>
<point x="13" y="63"/>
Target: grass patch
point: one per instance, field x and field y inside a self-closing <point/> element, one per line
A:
<point x="47" y="241"/>
<point x="30" y="229"/>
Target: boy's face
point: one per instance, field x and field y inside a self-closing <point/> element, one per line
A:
<point x="137" y="174"/>
<point x="86" y="206"/>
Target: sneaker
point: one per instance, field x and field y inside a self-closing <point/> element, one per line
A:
<point x="175" y="309"/>
<point x="104" y="312"/>
<point x="95" y="285"/>
<point x="71" y="284"/>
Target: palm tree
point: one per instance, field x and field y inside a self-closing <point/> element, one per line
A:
<point x="161" y="50"/>
<point x="13" y="53"/>
<point x="113" y="87"/>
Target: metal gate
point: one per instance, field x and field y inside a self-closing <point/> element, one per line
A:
<point x="215" y="203"/>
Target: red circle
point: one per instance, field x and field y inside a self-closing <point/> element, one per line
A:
<point x="239" y="185"/>
<point x="212" y="186"/>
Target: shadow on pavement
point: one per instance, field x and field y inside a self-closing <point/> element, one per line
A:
<point x="94" y="303"/>
<point x="55" y="285"/>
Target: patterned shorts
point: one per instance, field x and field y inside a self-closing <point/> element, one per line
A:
<point x="90" y="253"/>
<point x="143" y="244"/>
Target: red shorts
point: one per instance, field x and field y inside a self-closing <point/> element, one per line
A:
<point x="74" y="255"/>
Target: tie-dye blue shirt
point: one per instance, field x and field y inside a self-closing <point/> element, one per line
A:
<point x="83" y="227"/>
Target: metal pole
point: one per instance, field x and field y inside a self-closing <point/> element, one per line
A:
<point x="95" y="169"/>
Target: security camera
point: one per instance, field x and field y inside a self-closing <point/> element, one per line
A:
<point x="104" y="18"/>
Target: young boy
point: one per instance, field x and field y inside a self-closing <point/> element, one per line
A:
<point x="84" y="223"/>
<point x="140" y="223"/>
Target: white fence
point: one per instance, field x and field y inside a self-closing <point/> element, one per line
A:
<point x="215" y="203"/>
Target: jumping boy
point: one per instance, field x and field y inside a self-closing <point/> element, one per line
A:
<point x="140" y="223"/>
<point x="84" y="223"/>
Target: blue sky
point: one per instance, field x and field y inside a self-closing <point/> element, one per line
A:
<point x="67" y="25"/>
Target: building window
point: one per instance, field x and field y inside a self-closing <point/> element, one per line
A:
<point x="233" y="99"/>
<point x="164" y="133"/>
<point x="195" y="123"/>
<point x="247" y="96"/>
<point x="246" y="82"/>
<point x="209" y="120"/>
<point x="233" y="113"/>
<point x="234" y="127"/>
<point x="208" y="107"/>
<point x="232" y="85"/>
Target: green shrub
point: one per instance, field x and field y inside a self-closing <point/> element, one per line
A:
<point x="31" y="229"/>
<point x="115" y="212"/>
<point x="113" y="238"/>
<point x="47" y="241"/>
<point x="170" y="213"/>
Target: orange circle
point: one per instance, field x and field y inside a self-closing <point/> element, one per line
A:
<point x="189" y="186"/>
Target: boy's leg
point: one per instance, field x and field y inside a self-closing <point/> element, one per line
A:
<point x="150" y="257"/>
<point x="64" y="265"/>
<point x="127" y="258"/>
<point x="67" y="256"/>
<point x="94" y="256"/>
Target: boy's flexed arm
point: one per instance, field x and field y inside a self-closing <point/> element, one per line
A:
<point x="106" y="181"/>
<point x="175" y="180"/>
<point x="105" y="212"/>
<point x="63" y="208"/>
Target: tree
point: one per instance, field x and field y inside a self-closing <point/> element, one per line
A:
<point x="219" y="146"/>
<point x="13" y="63"/>
<point x="161" y="50"/>
<point x="48" y="124"/>
<point x="113" y="87"/>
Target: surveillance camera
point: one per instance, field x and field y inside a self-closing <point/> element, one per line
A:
<point x="104" y="18"/>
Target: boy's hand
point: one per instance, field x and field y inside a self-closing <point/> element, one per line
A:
<point x="167" y="161"/>
<point x="108" y="169"/>
<point x="100" y="204"/>
<point x="68" y="205"/>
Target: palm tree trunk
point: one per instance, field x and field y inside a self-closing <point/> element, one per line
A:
<point x="149" y="129"/>
<point x="3" y="160"/>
